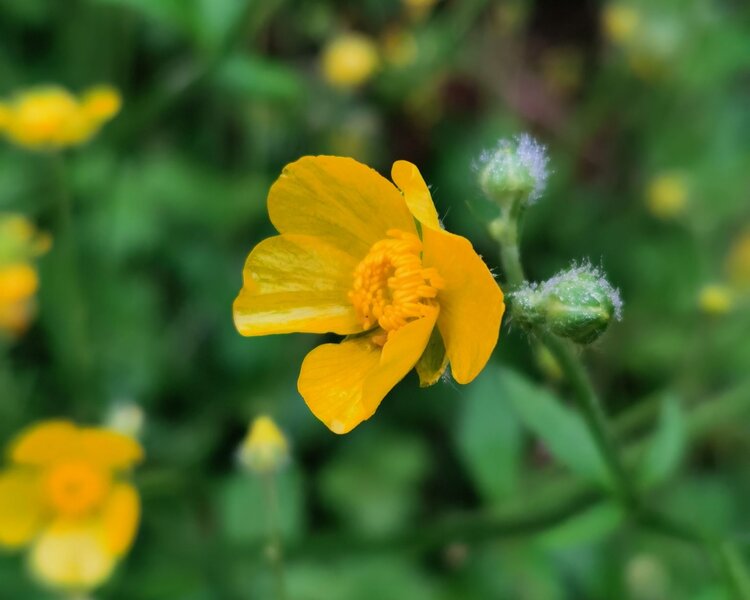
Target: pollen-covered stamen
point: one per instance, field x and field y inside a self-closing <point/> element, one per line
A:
<point x="391" y="287"/>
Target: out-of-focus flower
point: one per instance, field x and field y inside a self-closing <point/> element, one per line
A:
<point x="646" y="578"/>
<point x="349" y="60"/>
<point x="48" y="118"/>
<point x="20" y="244"/>
<point x="360" y="257"/>
<point x="399" y="47"/>
<point x="418" y="10"/>
<point x="126" y="417"/>
<point x="562" y="69"/>
<point x="667" y="195"/>
<point x="264" y="449"/>
<point x="65" y="496"/>
<point x="738" y="262"/>
<point x="620" y="22"/>
<point x="716" y="299"/>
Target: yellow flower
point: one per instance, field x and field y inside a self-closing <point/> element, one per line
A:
<point x="620" y="22"/>
<point x="65" y="496"/>
<point x="715" y="299"/>
<point x="51" y="117"/>
<point x="20" y="243"/>
<point x="400" y="47"/>
<point x="738" y="262"/>
<point x="349" y="60"/>
<point x="667" y="195"/>
<point x="264" y="449"/>
<point x="360" y="257"/>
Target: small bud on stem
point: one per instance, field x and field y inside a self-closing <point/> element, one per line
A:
<point x="577" y="304"/>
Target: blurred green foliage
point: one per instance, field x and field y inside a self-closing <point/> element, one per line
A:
<point x="170" y="198"/>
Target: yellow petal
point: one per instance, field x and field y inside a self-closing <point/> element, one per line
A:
<point x="471" y="304"/>
<point x="21" y="507"/>
<point x="341" y="201"/>
<point x="296" y="283"/>
<point x="53" y="441"/>
<point x="108" y="448"/>
<point x="416" y="193"/>
<point x="119" y="518"/>
<point x="343" y="384"/>
<point x="71" y="556"/>
<point x="43" y="443"/>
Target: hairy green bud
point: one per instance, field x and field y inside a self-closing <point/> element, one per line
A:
<point x="578" y="304"/>
<point x="515" y="170"/>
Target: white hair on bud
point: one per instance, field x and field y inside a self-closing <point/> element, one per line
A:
<point x="521" y="149"/>
<point x="586" y="268"/>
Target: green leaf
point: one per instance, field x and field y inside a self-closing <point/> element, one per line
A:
<point x="260" y="78"/>
<point x="587" y="527"/>
<point x="563" y="431"/>
<point x="667" y="447"/>
<point x="489" y="439"/>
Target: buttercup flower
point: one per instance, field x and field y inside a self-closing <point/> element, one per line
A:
<point x="360" y="257"/>
<point x="264" y="449"/>
<point x="65" y="496"/>
<point x="48" y="118"/>
<point x="349" y="60"/>
<point x="20" y="243"/>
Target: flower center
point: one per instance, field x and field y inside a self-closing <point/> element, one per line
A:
<point x="75" y="488"/>
<point x="391" y="287"/>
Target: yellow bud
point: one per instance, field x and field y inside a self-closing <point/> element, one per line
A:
<point x="17" y="282"/>
<point x="620" y="22"/>
<point x="264" y="449"/>
<point x="15" y="317"/>
<point x="400" y="47"/>
<point x="715" y="299"/>
<point x="667" y="196"/>
<point x="349" y="60"/>
<point x="738" y="262"/>
<point x="101" y="103"/>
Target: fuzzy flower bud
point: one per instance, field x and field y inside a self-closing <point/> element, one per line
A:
<point x="515" y="169"/>
<point x="578" y="304"/>
<point x="265" y="449"/>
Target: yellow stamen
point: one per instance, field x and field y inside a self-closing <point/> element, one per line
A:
<point x="391" y="287"/>
<point x="76" y="488"/>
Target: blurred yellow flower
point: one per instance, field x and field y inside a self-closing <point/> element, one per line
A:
<point x="264" y="449"/>
<point x="620" y="22"/>
<point x="65" y="496"/>
<point x="667" y="195"/>
<point x="47" y="118"/>
<point x="20" y="243"/>
<point x="715" y="299"/>
<point x="349" y="60"/>
<point x="738" y="262"/>
<point x="360" y="257"/>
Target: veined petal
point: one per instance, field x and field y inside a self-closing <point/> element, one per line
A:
<point x="416" y="193"/>
<point x="343" y="384"/>
<point x="296" y="283"/>
<point x="119" y="518"/>
<point x="471" y="304"/>
<point x="21" y="507"/>
<point x="53" y="441"/>
<point x="71" y="556"/>
<point x="337" y="199"/>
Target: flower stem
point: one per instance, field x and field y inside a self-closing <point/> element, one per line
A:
<point x="274" y="549"/>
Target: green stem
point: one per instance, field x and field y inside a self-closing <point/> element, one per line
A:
<point x="590" y="407"/>
<point x="274" y="549"/>
<point x="69" y="326"/>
